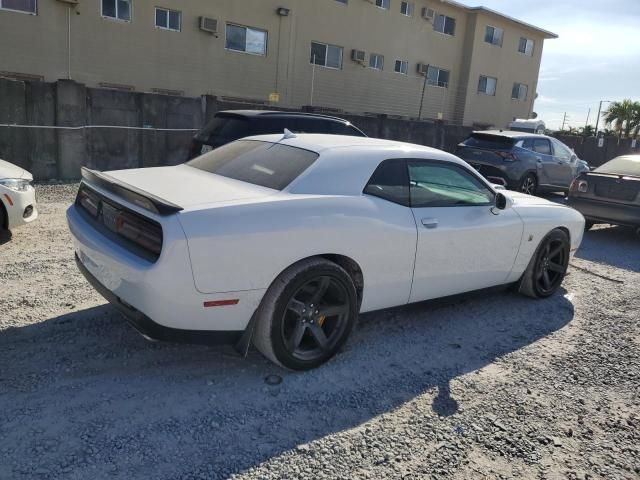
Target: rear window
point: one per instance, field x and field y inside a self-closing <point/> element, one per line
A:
<point x="622" y="166"/>
<point x="224" y="129"/>
<point x="266" y="164"/>
<point x="489" y="142"/>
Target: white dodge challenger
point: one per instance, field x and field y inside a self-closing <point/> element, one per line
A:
<point x="281" y="241"/>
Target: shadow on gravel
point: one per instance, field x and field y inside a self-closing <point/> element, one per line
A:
<point x="612" y="245"/>
<point x="84" y="396"/>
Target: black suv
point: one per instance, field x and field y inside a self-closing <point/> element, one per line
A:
<point x="227" y="126"/>
<point x="529" y="163"/>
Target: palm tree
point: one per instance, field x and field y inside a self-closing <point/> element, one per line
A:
<point x="624" y="115"/>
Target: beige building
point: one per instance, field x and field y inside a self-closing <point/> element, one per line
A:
<point x="427" y="58"/>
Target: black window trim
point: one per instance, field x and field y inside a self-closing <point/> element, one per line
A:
<point x="432" y="161"/>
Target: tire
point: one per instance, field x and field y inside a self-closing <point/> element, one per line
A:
<point x="3" y="218"/>
<point x="293" y="334"/>
<point x="529" y="184"/>
<point x="547" y="267"/>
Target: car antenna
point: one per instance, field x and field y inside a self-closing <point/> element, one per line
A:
<point x="288" y="134"/>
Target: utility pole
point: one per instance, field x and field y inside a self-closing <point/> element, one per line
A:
<point x="599" y="110"/>
<point x="564" y="119"/>
<point x="424" y="88"/>
<point x="587" y="122"/>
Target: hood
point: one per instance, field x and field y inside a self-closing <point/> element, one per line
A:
<point x="524" y="199"/>
<point x="9" y="170"/>
<point x="188" y="187"/>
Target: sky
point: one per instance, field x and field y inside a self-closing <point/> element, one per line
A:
<point x="596" y="57"/>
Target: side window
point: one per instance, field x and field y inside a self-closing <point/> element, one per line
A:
<point x="541" y="145"/>
<point x="439" y="184"/>
<point x="528" y="144"/>
<point x="390" y="182"/>
<point x="561" y="151"/>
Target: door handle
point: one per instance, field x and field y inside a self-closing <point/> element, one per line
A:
<point x="430" y="223"/>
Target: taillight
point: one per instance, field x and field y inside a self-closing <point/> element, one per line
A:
<point x="88" y="201"/>
<point x="145" y="234"/>
<point x="579" y="186"/>
<point x="507" y="156"/>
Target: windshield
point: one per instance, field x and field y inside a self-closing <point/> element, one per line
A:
<point x="627" y="165"/>
<point x="224" y="129"/>
<point x="270" y="165"/>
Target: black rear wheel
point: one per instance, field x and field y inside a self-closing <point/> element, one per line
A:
<point x="529" y="184"/>
<point x="307" y="314"/>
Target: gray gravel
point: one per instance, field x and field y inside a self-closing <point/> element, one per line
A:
<point x="498" y="386"/>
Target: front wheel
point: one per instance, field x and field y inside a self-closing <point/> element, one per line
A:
<point x="306" y="315"/>
<point x="547" y="267"/>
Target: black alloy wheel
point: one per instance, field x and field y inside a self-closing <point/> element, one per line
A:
<point x="315" y="318"/>
<point x="551" y="266"/>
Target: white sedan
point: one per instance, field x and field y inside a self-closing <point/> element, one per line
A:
<point x="282" y="240"/>
<point x="17" y="197"/>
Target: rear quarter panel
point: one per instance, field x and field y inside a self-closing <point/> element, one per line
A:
<point x="538" y="221"/>
<point x="245" y="247"/>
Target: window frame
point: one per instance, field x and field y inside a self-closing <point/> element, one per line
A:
<point x="527" y="40"/>
<point x="440" y="70"/>
<point x="411" y="8"/>
<point x="492" y="42"/>
<point x="326" y="55"/>
<point x="402" y="62"/>
<point x="117" y="17"/>
<point x="167" y="11"/>
<point x="26" y="12"/>
<point x="382" y="2"/>
<point x="520" y="85"/>
<point x="246" y="27"/>
<point x="495" y="90"/>
<point x="454" y="166"/>
<point x="379" y="56"/>
<point x="444" y="24"/>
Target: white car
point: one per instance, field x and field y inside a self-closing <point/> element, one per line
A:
<point x="283" y="240"/>
<point x="17" y="197"/>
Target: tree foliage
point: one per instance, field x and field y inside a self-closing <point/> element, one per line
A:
<point x="624" y="116"/>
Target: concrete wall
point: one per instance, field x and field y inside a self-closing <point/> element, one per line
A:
<point x="78" y="43"/>
<point x="59" y="153"/>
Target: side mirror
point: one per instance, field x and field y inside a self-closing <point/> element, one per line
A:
<point x="501" y="201"/>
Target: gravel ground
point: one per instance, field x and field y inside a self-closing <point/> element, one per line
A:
<point x="498" y="386"/>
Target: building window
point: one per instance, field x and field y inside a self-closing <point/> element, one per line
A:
<point x="437" y="77"/>
<point x="117" y="9"/>
<point x="401" y="67"/>
<point x="526" y="46"/>
<point x="444" y="24"/>
<point x="494" y="35"/>
<point x="26" y="6"/>
<point x="383" y="4"/>
<point x="245" y="39"/>
<point x="406" y="8"/>
<point x="343" y="1"/>
<point x="326" y="55"/>
<point x="487" y="85"/>
<point x="519" y="91"/>
<point x="376" y="61"/>
<point x="168" y="19"/>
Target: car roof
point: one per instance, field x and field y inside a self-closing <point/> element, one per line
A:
<point x="279" y="113"/>
<point x="510" y="133"/>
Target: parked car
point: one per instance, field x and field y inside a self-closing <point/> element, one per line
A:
<point x="610" y="193"/>
<point x="17" y="197"/>
<point x="232" y="125"/>
<point x="528" y="125"/>
<point x="284" y="240"/>
<point x="528" y="163"/>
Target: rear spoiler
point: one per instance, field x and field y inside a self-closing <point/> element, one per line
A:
<point x="130" y="193"/>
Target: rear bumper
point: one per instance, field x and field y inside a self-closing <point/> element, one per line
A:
<point x="154" y="331"/>
<point x="606" y="212"/>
